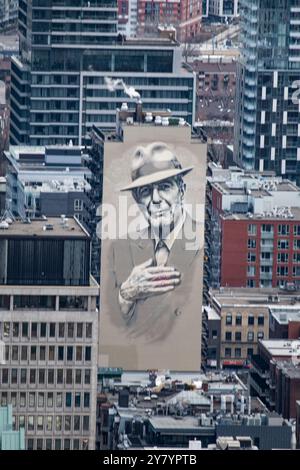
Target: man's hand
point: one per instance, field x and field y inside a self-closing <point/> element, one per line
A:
<point x="146" y="281"/>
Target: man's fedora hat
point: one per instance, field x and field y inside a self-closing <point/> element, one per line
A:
<point x="153" y="163"/>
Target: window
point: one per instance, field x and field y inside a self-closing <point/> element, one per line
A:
<point x="250" y="336"/>
<point x="60" y="377"/>
<point x="52" y="330"/>
<point x="70" y="330"/>
<point x="214" y="334"/>
<point x="23" y="353"/>
<point x="60" y="353"/>
<point x="33" y="353"/>
<point x="48" y="442"/>
<point x="14" y="376"/>
<point x="88" y="330"/>
<point x="252" y="230"/>
<point x="86" y="400"/>
<point x="61" y="330"/>
<point x="283" y="229"/>
<point x="30" y="423"/>
<point x="42" y="353"/>
<point x="228" y="336"/>
<point x="32" y="376"/>
<point x="87" y="376"/>
<point x="79" y="330"/>
<point x="78" y="353"/>
<point x="88" y="351"/>
<point x="40" y="423"/>
<point x="238" y="352"/>
<point x="249" y="352"/>
<point x="267" y="228"/>
<point x="51" y="376"/>
<point x="86" y="423"/>
<point x="70" y="353"/>
<point x="297" y="230"/>
<point x="76" y="423"/>
<point x="227" y="352"/>
<point x="69" y="377"/>
<point x="33" y="330"/>
<point x="58" y="423"/>
<point x="250" y="320"/>
<point x="296" y="258"/>
<point x="68" y="400"/>
<point x="51" y="353"/>
<point x="43" y="330"/>
<point x="283" y="271"/>
<point x="282" y="257"/>
<point x="238" y="320"/>
<point x="15" y="330"/>
<point x="59" y="400"/>
<point x="15" y="353"/>
<point x="23" y="376"/>
<point x="78" y="376"/>
<point x="57" y="444"/>
<point x="283" y="244"/>
<point x="39" y="444"/>
<point x="251" y="283"/>
<point x="238" y="336"/>
<point x="41" y="400"/>
<point x="41" y="376"/>
<point x="261" y="320"/>
<point x="67" y="423"/>
<point x="251" y="243"/>
<point x="228" y="319"/>
<point x="22" y="400"/>
<point x="78" y="205"/>
<point x="251" y="271"/>
<point x="251" y="257"/>
<point x="260" y="335"/>
<point x="25" y="329"/>
<point x="296" y="244"/>
<point x="77" y="400"/>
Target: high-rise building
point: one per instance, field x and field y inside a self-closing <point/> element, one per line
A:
<point x="224" y="8"/>
<point x="267" y="132"/>
<point x="49" y="329"/>
<point x="8" y="14"/>
<point x="10" y="438"/>
<point x="58" y="82"/>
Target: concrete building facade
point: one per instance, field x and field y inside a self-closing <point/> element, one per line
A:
<point x="49" y="327"/>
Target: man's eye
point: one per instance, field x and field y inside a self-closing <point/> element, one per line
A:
<point x="164" y="187"/>
<point x="144" y="192"/>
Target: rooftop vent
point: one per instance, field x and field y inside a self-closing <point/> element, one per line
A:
<point x="48" y="227"/>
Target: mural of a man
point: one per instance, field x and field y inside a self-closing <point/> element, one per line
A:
<point x="152" y="271"/>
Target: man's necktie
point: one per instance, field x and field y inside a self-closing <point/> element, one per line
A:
<point x="161" y="253"/>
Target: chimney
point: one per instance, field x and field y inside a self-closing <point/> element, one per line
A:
<point x="139" y="111"/>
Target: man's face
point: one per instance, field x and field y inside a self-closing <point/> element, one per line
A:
<point x="161" y="204"/>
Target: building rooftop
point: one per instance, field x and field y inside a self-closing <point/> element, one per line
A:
<point x="211" y="313"/>
<point x="167" y="423"/>
<point x="289" y="369"/>
<point x="256" y="297"/>
<point x="45" y="227"/>
<point x="285" y="315"/>
<point x="282" y="348"/>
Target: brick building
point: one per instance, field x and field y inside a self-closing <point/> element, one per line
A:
<point x="256" y="231"/>
<point x="275" y="375"/>
<point x="141" y="17"/>
<point x="244" y="321"/>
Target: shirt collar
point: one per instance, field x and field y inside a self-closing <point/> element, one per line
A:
<point x="170" y="239"/>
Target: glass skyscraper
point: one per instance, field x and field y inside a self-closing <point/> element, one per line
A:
<point x="67" y="47"/>
<point x="267" y="130"/>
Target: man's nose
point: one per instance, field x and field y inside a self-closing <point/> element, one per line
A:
<point x="155" y="196"/>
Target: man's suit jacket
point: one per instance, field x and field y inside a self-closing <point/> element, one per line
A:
<point x="163" y="325"/>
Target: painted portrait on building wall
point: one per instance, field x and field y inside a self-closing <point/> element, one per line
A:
<point x="151" y="276"/>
